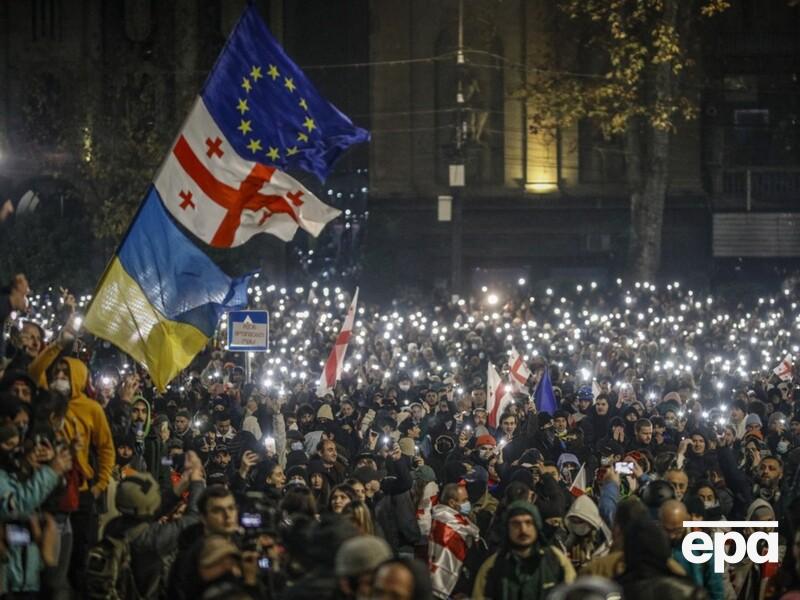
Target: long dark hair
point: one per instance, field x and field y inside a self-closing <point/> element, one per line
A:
<point x="346" y="490"/>
<point x="299" y="500"/>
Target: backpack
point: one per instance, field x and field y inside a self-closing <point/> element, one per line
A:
<point x="109" y="573"/>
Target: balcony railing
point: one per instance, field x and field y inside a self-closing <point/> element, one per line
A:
<point x="759" y="187"/>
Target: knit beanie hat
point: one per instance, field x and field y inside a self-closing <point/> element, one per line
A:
<point x="138" y="495"/>
<point x="296" y="457"/>
<point x="776" y="417"/>
<point x="407" y="447"/>
<point x="361" y="554"/>
<point x="551" y="506"/>
<point x="752" y="419"/>
<point x="423" y="473"/>
<point x="325" y="412"/>
<point x="485" y="440"/>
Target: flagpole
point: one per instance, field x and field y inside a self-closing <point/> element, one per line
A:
<point x="115" y="253"/>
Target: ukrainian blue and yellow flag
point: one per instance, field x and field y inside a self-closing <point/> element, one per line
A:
<point x="161" y="297"/>
<point x="257" y="115"/>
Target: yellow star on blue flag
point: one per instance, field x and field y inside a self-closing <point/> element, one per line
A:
<point x="278" y="105"/>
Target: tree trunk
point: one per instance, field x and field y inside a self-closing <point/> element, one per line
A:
<point x="647" y="154"/>
<point x="648" y="169"/>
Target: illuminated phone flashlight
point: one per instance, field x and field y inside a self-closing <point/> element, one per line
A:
<point x="106" y="380"/>
<point x="386" y="439"/>
<point x="197" y="422"/>
<point x="469" y="427"/>
<point x="501" y="443"/>
<point x="680" y="413"/>
<point x="705" y="414"/>
<point x="76" y="323"/>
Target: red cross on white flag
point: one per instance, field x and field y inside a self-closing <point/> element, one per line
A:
<point x="333" y="366"/>
<point x="579" y="487"/>
<point x="498" y="397"/>
<point x="224" y="199"/>
<point x="785" y="370"/>
<point x="518" y="372"/>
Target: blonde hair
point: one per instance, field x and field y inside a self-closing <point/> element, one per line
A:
<point x="358" y="513"/>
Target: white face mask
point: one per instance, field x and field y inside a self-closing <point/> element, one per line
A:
<point x="297" y="445"/>
<point x="580" y="529"/>
<point x="60" y="386"/>
<point x="405" y="386"/>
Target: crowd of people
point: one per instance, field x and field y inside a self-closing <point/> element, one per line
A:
<point x="406" y="482"/>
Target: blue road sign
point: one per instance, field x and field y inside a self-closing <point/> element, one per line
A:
<point x="248" y="330"/>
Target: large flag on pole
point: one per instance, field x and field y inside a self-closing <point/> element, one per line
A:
<point x="224" y="180"/>
<point x="518" y="372"/>
<point x="257" y="116"/>
<point x="544" y="397"/>
<point x="498" y="398"/>
<point x="161" y="297"/>
<point x="333" y="366"/>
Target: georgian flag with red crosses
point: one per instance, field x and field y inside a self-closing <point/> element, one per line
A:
<point x="257" y="117"/>
<point x="225" y="199"/>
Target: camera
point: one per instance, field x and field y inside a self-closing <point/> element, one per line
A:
<point x="257" y="516"/>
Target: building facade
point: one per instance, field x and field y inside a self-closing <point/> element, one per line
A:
<point x="554" y="203"/>
<point x="91" y="82"/>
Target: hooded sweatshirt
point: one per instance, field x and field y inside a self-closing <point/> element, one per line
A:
<point x="148" y="447"/>
<point x="597" y="543"/>
<point x="506" y="576"/>
<point x="86" y="423"/>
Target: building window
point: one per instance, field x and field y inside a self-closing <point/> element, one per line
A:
<point x="600" y="160"/>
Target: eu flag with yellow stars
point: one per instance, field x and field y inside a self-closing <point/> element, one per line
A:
<point x="268" y="109"/>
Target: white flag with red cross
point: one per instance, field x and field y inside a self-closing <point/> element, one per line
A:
<point x="785" y="370"/>
<point x="578" y="487"/>
<point x="518" y="372"/>
<point x="498" y="396"/>
<point x="224" y="199"/>
<point x="333" y="366"/>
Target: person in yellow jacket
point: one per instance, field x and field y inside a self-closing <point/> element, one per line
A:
<point x="86" y="424"/>
<point x="86" y="428"/>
